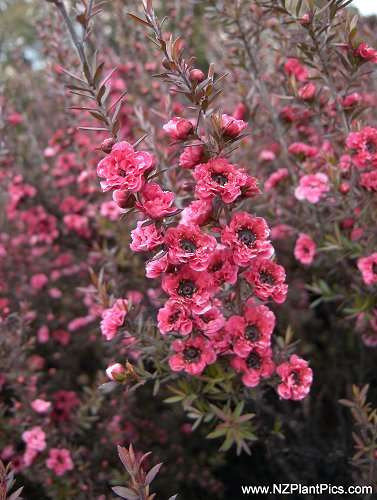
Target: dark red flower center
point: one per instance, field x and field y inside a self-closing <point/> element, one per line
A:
<point x="191" y="354"/>
<point x="296" y="378"/>
<point x="266" y="278"/>
<point x="220" y="179"/>
<point x="254" y="361"/>
<point x="173" y="317"/>
<point x="186" y="288"/>
<point x="188" y="246"/>
<point x="374" y="268"/>
<point x="246" y="236"/>
<point x="252" y="333"/>
<point x="216" y="266"/>
<point x="371" y="147"/>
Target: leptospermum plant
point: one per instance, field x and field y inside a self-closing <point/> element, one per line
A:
<point x="211" y="254"/>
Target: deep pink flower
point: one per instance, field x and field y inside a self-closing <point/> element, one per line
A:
<point x="145" y="237"/>
<point x="78" y="223"/>
<point x="156" y="266"/>
<point x="192" y="288"/>
<point x="124" y="168"/>
<point x="113" y="318"/>
<point x="38" y="281"/>
<point x="222" y="267"/>
<point x="155" y="202"/>
<point x="174" y="317"/>
<point x="364" y="147"/>
<point x="247" y="238"/>
<point x="307" y="92"/>
<point x="366" y="52"/>
<point x="305" y="249"/>
<point x="258" y="364"/>
<point x="368" y="180"/>
<point x="197" y="212"/>
<point x="275" y="178"/>
<point x="110" y="210"/>
<point x="192" y="355"/>
<point x="210" y="322"/>
<point x="59" y="460"/>
<point x="232" y="127"/>
<point x="351" y="99"/>
<point x="312" y="187"/>
<point x="191" y="156"/>
<point x="253" y="329"/>
<point x="178" y="128"/>
<point x="296" y="377"/>
<point x="295" y="68"/>
<point x="218" y="177"/>
<point x="188" y="244"/>
<point x="368" y="268"/>
<point x="267" y="279"/>
<point x="304" y="150"/>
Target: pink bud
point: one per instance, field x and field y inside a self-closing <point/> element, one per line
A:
<point x="197" y="75"/>
<point x="116" y="372"/>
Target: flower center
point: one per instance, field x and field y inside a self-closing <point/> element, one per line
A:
<point x="217" y="266"/>
<point x="296" y="378"/>
<point x="219" y="179"/>
<point x="371" y="147"/>
<point x="173" y="317"/>
<point x="265" y="277"/>
<point x="374" y="268"/>
<point x="254" y="360"/>
<point x="246" y="236"/>
<point x="191" y="354"/>
<point x="187" y="288"/>
<point x="252" y="333"/>
<point x="188" y="246"/>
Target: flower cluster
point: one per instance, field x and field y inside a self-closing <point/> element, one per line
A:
<point x="213" y="250"/>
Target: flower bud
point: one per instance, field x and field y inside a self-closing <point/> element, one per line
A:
<point x="197" y="75"/>
<point x="116" y="372"/>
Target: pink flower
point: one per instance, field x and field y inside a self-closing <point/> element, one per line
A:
<point x="268" y="280"/>
<point x="307" y="92"/>
<point x="296" y="378"/>
<point x="191" y="156"/>
<point x="155" y="202"/>
<point x="113" y="318"/>
<point x="312" y="187"/>
<point x="210" y="322"/>
<point x="366" y="52"/>
<point x="116" y="372"/>
<point x="38" y="281"/>
<point x="110" y="210"/>
<point x="156" y="266"/>
<point x="198" y="212"/>
<point x="40" y="405"/>
<point x="218" y="177"/>
<point x="364" y="147"/>
<point x="145" y="237"/>
<point x="254" y="329"/>
<point x="174" y="317"/>
<point x="124" y="168"/>
<point x="59" y="460"/>
<point x="295" y="68"/>
<point x="368" y="268"/>
<point x="369" y="180"/>
<point x="258" y="364"/>
<point x="351" y="99"/>
<point x="192" y="355"/>
<point x="178" y="128"/>
<point x="78" y="223"/>
<point x="304" y="150"/>
<point x="191" y="288"/>
<point x="188" y="244"/>
<point x="305" y="249"/>
<point x="247" y="238"/>
<point x="232" y="127"/>
<point x="275" y="178"/>
<point x="222" y="267"/>
<point x="35" y="439"/>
